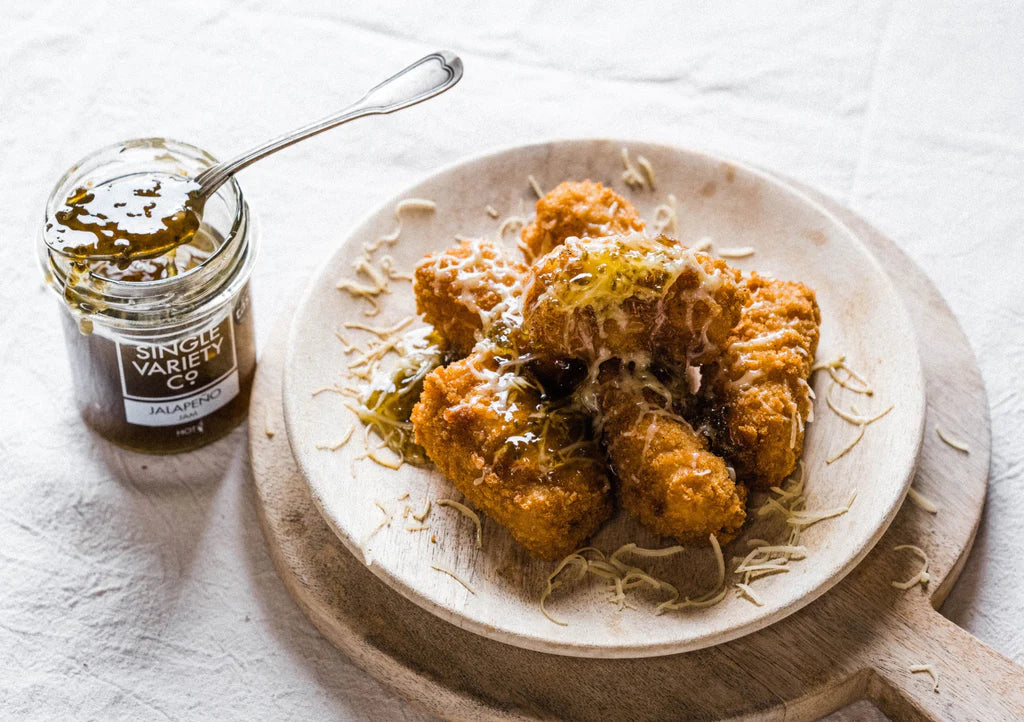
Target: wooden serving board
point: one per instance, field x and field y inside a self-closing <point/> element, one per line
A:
<point x="858" y="641"/>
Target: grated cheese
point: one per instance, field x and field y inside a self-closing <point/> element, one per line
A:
<point x="666" y="217"/>
<point x="839" y="364"/>
<point x="922" y="501"/>
<point x="789" y="501"/>
<point x="746" y="591"/>
<point x="423" y="514"/>
<point x="958" y="445"/>
<point x="624" y="577"/>
<point x="807" y="518"/>
<point x="454" y="576"/>
<point x="379" y="272"/>
<point x="381" y="333"/>
<point x="346" y="345"/>
<point x="535" y="186"/>
<point x="853" y="416"/>
<point x="630" y="175"/>
<point x="922" y="576"/>
<point x="388" y="518"/>
<point x="620" y="576"/>
<point x="856" y="383"/>
<point x="418" y="354"/>
<point x="393" y="464"/>
<point x="742" y="252"/>
<point x="338" y="444"/>
<point x="930" y="671"/>
<point x="647" y="168"/>
<point x="846" y="449"/>
<point x="512" y="224"/>
<point x="466" y="511"/>
<point x="704" y="245"/>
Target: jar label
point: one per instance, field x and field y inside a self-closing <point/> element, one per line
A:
<point x="182" y="381"/>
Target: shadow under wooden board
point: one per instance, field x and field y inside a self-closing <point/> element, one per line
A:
<point x="860" y="640"/>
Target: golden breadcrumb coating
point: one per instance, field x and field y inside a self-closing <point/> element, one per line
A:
<point x="581" y="209"/>
<point x="524" y="463"/>
<point x="759" y="391"/>
<point x="620" y="295"/>
<point x="667" y="478"/>
<point x="464" y="290"/>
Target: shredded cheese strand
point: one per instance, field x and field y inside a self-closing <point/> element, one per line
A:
<point x="789" y="501"/>
<point x="922" y="576"/>
<point x="861" y="386"/>
<point x="647" y="168"/>
<point x="454" y="576"/>
<point x="849" y="447"/>
<point x="631" y="176"/>
<point x="746" y="591"/>
<point x="624" y="577"/>
<point x="922" y="501"/>
<point x="535" y="186"/>
<point x="742" y="252"/>
<point x="341" y="442"/>
<point x="930" y="671"/>
<point x="666" y="218"/>
<point x="466" y="511"/>
<point x="380" y="271"/>
<point x="958" y="445"/>
<point x="423" y="514"/>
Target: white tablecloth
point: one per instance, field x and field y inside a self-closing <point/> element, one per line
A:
<point x="139" y="587"/>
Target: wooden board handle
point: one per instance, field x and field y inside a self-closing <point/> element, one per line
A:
<point x="974" y="681"/>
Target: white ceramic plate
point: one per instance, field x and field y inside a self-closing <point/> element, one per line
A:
<point x="735" y="206"/>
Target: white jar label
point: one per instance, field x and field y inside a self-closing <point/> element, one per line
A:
<point x="179" y="382"/>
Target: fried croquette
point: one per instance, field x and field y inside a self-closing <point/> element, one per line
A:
<point x="759" y="396"/>
<point x="464" y="290"/>
<point x="667" y="478"/>
<point x="577" y="208"/>
<point x="525" y="463"/>
<point x="608" y="297"/>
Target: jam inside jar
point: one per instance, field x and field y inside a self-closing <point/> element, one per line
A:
<point x="162" y="349"/>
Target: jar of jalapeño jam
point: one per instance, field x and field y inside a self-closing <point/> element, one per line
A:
<point x="162" y="349"/>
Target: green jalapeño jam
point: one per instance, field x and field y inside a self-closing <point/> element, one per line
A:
<point x="154" y="291"/>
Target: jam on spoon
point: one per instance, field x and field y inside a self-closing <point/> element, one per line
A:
<point x="137" y="216"/>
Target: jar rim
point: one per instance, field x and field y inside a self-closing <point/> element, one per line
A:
<point x="227" y="266"/>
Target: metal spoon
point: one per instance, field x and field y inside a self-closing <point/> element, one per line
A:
<point x="113" y="229"/>
<point x="427" y="77"/>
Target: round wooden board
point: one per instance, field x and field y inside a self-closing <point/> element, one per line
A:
<point x="858" y="641"/>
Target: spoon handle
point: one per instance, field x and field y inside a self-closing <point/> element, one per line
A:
<point x="427" y="77"/>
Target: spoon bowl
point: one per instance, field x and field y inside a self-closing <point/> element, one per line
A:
<point x="147" y="215"/>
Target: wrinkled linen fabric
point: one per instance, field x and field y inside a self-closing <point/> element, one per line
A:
<point x="137" y="587"/>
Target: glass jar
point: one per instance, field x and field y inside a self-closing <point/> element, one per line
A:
<point x="162" y="352"/>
